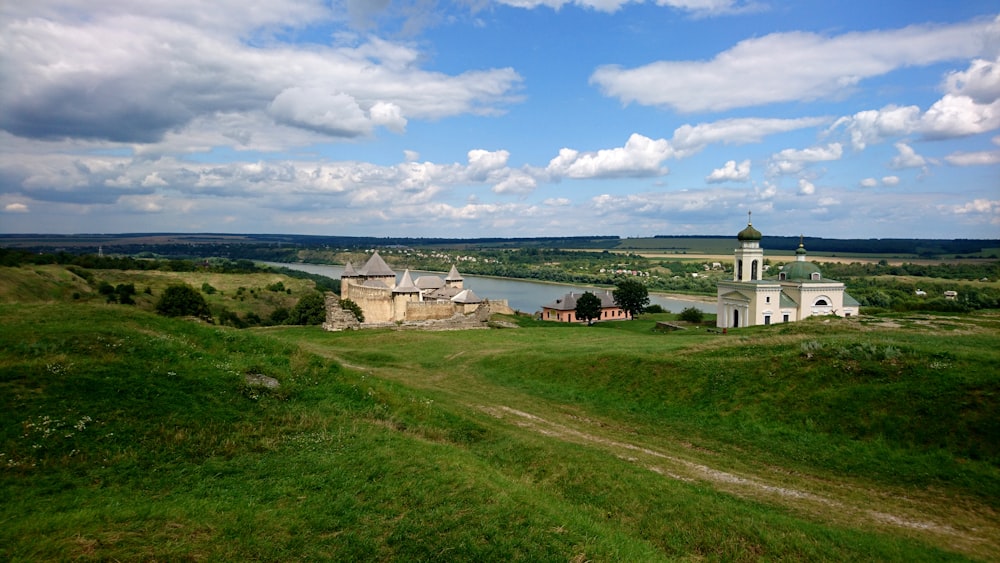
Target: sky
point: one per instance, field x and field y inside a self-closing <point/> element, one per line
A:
<point x="501" y="118"/>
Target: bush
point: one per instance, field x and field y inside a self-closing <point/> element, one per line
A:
<point x="354" y="308"/>
<point x="207" y="288"/>
<point x="182" y="300"/>
<point x="692" y="315"/>
<point x="656" y="308"/>
<point x="310" y="310"/>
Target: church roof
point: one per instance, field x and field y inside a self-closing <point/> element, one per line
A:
<point x="749" y="233"/>
<point x="376" y="266"/>
<point x="787" y="302"/>
<point x="453" y="275"/>
<point x="736" y="296"/>
<point x="850" y="301"/>
<point x="801" y="271"/>
<point x="406" y="284"/>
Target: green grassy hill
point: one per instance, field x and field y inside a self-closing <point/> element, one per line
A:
<point x="126" y="435"/>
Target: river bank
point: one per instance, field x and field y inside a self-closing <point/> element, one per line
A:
<point x="526" y="296"/>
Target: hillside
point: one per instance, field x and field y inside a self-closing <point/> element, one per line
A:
<point x="127" y="436"/>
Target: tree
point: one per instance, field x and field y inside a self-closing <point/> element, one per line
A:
<point x="310" y="310"/>
<point x="588" y="307"/>
<point x="692" y="315"/>
<point x="631" y="296"/>
<point x="182" y="300"/>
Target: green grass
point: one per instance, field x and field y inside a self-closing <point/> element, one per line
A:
<point x="128" y="436"/>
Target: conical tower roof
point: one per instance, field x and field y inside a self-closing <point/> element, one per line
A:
<point x="453" y="275"/>
<point x="406" y="284"/>
<point x="376" y="266"/>
<point x="349" y="271"/>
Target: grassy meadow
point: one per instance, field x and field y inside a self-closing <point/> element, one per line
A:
<point x="128" y="436"/>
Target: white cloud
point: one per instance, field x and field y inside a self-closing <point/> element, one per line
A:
<point x="730" y="172"/>
<point x="978" y="206"/>
<point x="135" y="73"/>
<point x="907" y="157"/>
<point x="871" y="126"/>
<point x="641" y="156"/>
<point x="15" y="208"/>
<point x="791" y="161"/>
<point x="689" y="139"/>
<point x="806" y="187"/>
<point x="557" y="202"/>
<point x="698" y="7"/>
<point x="516" y="183"/>
<point x="792" y="66"/>
<point x="890" y="180"/>
<point x="868" y="183"/>
<point x="978" y="158"/>
<point x="970" y="105"/>
<point x="482" y="163"/>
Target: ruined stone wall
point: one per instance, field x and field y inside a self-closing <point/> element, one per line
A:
<point x="338" y="318"/>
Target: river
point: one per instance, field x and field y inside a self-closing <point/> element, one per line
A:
<point x="522" y="295"/>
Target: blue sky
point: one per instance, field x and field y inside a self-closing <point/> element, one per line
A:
<point x="513" y="118"/>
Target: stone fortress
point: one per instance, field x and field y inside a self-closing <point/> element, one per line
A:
<point x="427" y="302"/>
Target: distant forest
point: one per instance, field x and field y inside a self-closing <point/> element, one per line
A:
<point x="280" y="247"/>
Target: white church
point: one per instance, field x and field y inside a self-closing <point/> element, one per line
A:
<point x="797" y="292"/>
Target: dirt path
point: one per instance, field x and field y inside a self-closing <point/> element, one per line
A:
<point x="962" y="525"/>
<point x="839" y="503"/>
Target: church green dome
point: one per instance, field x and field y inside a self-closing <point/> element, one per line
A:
<point x="800" y="271"/>
<point x="749" y="233"/>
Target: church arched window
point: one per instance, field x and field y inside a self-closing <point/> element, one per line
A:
<point x="753" y="270"/>
<point x="821" y="302"/>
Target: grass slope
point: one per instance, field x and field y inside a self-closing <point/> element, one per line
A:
<point x="130" y="436"/>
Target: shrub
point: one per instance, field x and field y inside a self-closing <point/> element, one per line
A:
<point x="207" y="288"/>
<point x="182" y="300"/>
<point x="692" y="315"/>
<point x="656" y="308"/>
<point x="354" y="308"/>
<point x="310" y="310"/>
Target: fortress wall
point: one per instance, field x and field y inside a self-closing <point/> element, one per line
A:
<point x="429" y="310"/>
<point x="375" y="302"/>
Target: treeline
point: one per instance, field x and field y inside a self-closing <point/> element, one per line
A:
<point x="918" y="247"/>
<point x="18" y="257"/>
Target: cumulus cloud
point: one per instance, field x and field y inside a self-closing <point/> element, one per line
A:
<point x="890" y="180"/>
<point x="806" y="187"/>
<point x="791" y="161"/>
<point x="970" y="105"/>
<point x="15" y="208"/>
<point x="978" y="158"/>
<point x="907" y="157"/>
<point x="791" y="66"/>
<point x="730" y="172"/>
<point x="132" y="75"/>
<point x="689" y="139"/>
<point x="641" y="156"/>
<point x="979" y="207"/>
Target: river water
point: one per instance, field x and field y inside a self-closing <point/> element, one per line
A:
<point x="522" y="295"/>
